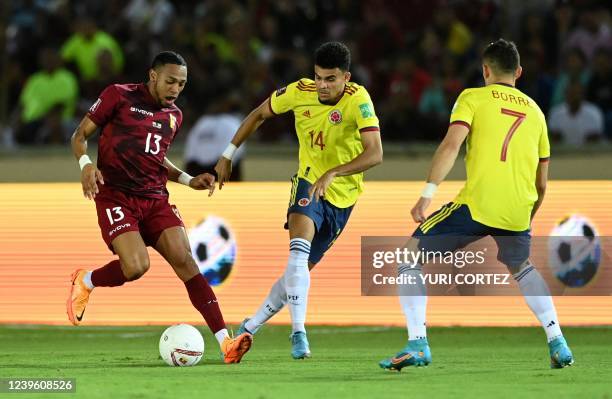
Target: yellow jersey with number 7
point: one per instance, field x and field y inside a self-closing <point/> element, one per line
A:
<point x="328" y="135"/>
<point x="507" y="139"/>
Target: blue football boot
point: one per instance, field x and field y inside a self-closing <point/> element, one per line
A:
<point x="300" y="349"/>
<point x="416" y="353"/>
<point x="242" y="329"/>
<point x="560" y="354"/>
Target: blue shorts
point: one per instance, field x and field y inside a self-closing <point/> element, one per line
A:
<point x="329" y="220"/>
<point x="452" y="227"/>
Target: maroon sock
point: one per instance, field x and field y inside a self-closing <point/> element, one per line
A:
<point x="203" y="298"/>
<point x="109" y="275"/>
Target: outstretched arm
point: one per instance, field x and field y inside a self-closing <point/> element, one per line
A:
<point x="442" y="163"/>
<point x="90" y="175"/>
<point x="247" y="127"/>
<point x="204" y="181"/>
<point x="371" y="156"/>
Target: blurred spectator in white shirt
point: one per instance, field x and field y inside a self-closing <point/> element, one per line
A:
<point x="211" y="134"/>
<point x="575" y="121"/>
<point x="152" y="16"/>
<point x="592" y="32"/>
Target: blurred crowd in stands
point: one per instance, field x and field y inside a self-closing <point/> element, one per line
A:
<point x="414" y="57"/>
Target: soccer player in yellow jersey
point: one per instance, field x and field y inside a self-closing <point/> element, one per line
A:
<point x="507" y="169"/>
<point x="339" y="138"/>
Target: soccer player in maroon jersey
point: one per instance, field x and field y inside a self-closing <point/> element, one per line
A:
<point x="128" y="185"/>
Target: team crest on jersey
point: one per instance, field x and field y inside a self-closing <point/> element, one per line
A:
<point x="281" y="91"/>
<point x="95" y="105"/>
<point x="335" y="117"/>
<point x="304" y="201"/>
<point x="172" y="122"/>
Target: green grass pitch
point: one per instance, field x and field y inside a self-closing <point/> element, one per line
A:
<point x="123" y="362"/>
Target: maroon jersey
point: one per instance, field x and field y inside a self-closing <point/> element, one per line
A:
<point x="136" y="134"/>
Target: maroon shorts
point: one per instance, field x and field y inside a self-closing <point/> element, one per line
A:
<point x="119" y="213"/>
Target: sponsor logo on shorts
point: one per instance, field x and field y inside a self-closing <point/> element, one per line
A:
<point x="141" y="111"/>
<point x="335" y="117"/>
<point x="304" y="201"/>
<point x="176" y="212"/>
<point x="118" y="228"/>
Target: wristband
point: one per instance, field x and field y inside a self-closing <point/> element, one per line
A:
<point x="429" y="190"/>
<point x="185" y="178"/>
<point x="84" y="160"/>
<point x="229" y="151"/>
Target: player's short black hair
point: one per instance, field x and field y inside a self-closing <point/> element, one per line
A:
<point x="167" y="57"/>
<point x="502" y="55"/>
<point x="332" y="55"/>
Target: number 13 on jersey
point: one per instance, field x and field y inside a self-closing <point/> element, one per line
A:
<point x="156" y="139"/>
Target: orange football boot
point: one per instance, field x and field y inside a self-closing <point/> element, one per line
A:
<point x="78" y="298"/>
<point x="234" y="348"/>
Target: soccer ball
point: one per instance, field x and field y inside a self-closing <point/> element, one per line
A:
<point x="214" y="249"/>
<point x="574" y="251"/>
<point x="181" y="345"/>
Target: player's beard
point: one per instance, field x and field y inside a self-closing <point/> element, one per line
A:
<point x="331" y="101"/>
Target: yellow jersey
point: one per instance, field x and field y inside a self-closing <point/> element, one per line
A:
<point x="507" y="139"/>
<point x="328" y="135"/>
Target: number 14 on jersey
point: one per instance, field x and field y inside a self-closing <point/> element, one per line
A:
<point x="316" y="139"/>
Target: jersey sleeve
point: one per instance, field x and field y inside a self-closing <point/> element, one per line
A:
<point x="463" y="110"/>
<point x="282" y="100"/>
<point x="102" y="111"/>
<point x="544" y="145"/>
<point x="366" y="118"/>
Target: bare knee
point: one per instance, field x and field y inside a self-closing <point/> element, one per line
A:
<point x="185" y="263"/>
<point x="135" y="266"/>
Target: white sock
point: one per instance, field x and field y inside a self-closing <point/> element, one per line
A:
<point x="538" y="299"/>
<point x="221" y="335"/>
<point x="276" y="300"/>
<point x="413" y="299"/>
<point x="297" y="282"/>
<point x="87" y="281"/>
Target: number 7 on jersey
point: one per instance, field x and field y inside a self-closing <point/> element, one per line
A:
<point x="520" y="117"/>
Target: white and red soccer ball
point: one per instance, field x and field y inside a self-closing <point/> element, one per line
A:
<point x="181" y="345"/>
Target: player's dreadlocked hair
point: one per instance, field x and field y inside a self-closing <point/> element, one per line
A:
<point x="502" y="55"/>
<point x="333" y="55"/>
<point x="167" y="57"/>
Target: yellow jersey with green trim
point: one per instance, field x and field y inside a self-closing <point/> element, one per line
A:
<point x="328" y="135"/>
<point x="508" y="138"/>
